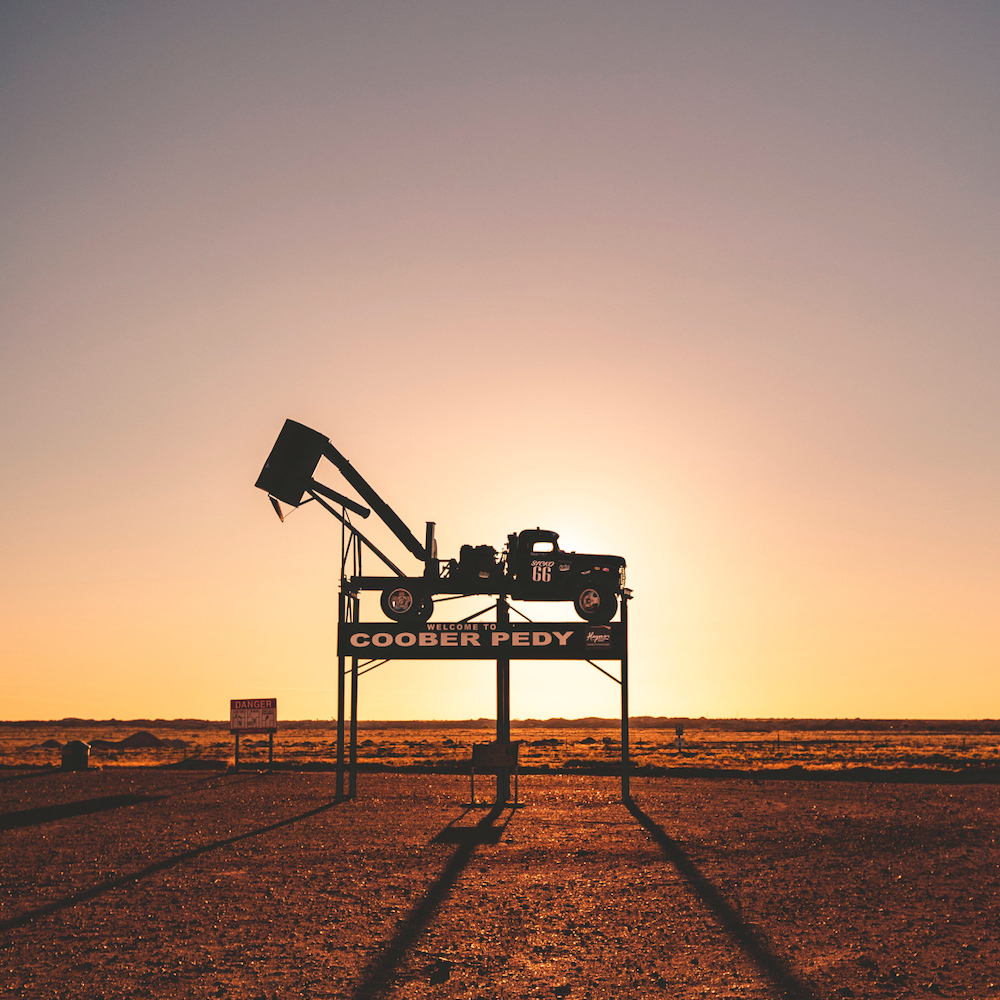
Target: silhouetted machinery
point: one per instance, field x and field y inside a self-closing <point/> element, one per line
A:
<point x="531" y="567"/>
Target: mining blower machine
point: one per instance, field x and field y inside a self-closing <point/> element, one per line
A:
<point x="531" y="566"/>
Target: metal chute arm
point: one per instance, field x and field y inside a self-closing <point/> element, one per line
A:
<point x="338" y="498"/>
<point x="384" y="511"/>
<point x="350" y="527"/>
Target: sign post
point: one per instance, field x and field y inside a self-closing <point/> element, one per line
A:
<point x="503" y="701"/>
<point x="343" y="599"/>
<point x="626" y="792"/>
<point x="352" y="780"/>
<point x="254" y="715"/>
<point x="369" y="644"/>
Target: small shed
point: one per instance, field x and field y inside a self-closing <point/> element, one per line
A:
<point x="75" y="756"/>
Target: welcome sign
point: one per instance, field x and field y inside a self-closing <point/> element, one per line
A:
<point x="482" y="641"/>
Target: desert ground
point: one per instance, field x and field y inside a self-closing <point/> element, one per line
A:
<point x="128" y="881"/>
<point x="969" y="749"/>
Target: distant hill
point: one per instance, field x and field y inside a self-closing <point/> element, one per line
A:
<point x="635" y="722"/>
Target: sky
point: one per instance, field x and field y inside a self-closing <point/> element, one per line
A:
<point x="711" y="286"/>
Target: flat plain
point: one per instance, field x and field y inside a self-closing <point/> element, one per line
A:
<point x="126" y="881"/>
<point x="564" y="747"/>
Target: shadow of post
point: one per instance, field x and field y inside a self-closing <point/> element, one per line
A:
<point x="123" y="880"/>
<point x="30" y="775"/>
<point x="773" y="968"/>
<point x="377" y="977"/>
<point x="65" y="810"/>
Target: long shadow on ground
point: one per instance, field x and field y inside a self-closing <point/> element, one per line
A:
<point x="64" y="810"/>
<point x="8" y="776"/>
<point x="377" y="977"/>
<point x="116" y="883"/>
<point x="85" y="807"/>
<point x="773" y="968"/>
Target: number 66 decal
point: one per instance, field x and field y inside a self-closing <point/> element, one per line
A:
<point x="541" y="570"/>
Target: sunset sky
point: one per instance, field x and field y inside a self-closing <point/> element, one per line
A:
<point x="712" y="286"/>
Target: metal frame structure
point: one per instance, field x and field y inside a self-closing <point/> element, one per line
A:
<point x="349" y="605"/>
<point x="287" y="476"/>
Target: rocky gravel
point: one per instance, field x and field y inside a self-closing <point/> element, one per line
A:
<point x="145" y="882"/>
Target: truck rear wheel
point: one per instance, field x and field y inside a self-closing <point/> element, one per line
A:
<point x="406" y="602"/>
<point x="595" y="604"/>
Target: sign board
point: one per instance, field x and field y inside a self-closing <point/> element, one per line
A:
<point x="253" y="715"/>
<point x="495" y="754"/>
<point x="482" y="641"/>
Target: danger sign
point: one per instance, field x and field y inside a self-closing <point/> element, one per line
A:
<point x="253" y="715"/>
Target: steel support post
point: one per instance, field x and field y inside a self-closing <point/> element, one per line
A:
<point x="352" y="791"/>
<point x="503" y="702"/>
<point x="352" y="786"/>
<point x="340" y="703"/>
<point x="626" y="794"/>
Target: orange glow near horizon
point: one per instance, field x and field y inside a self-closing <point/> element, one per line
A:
<point x="716" y="295"/>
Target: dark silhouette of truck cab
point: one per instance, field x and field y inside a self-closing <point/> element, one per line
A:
<point x="538" y="570"/>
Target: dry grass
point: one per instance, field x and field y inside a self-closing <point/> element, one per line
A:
<point x="553" y="749"/>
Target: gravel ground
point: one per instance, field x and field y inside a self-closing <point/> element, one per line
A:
<point x="140" y="882"/>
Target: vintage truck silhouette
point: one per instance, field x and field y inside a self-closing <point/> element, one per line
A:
<point x="531" y="567"/>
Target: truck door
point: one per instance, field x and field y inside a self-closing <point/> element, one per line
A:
<point x="538" y="572"/>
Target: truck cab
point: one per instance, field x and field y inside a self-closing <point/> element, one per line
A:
<point x="538" y="570"/>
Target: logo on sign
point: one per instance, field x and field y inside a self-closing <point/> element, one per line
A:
<point x="598" y="637"/>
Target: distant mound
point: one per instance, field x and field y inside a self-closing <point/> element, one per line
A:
<point x="140" y="741"/>
<point x="137" y="741"/>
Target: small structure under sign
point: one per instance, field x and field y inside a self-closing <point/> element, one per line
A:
<point x="253" y="715"/>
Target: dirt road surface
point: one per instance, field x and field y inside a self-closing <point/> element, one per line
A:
<point x="156" y="883"/>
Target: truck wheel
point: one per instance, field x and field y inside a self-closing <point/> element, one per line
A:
<point x="406" y="602"/>
<point x="595" y="604"/>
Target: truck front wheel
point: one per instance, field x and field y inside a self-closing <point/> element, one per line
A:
<point x="406" y="602"/>
<point x="595" y="604"/>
